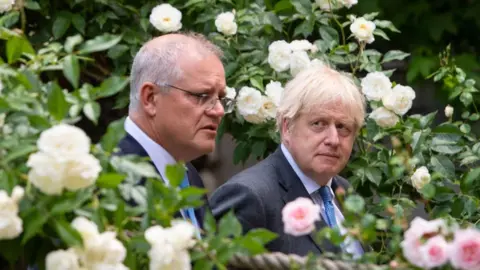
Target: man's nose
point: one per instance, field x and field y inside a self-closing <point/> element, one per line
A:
<point x="217" y="110"/>
<point x="331" y="136"/>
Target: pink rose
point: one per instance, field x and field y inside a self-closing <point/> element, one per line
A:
<point x="434" y="252"/>
<point x="410" y="248"/>
<point x="420" y="230"/>
<point x="299" y="216"/>
<point x="465" y="249"/>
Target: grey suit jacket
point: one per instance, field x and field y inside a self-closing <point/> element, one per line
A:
<point x="258" y="195"/>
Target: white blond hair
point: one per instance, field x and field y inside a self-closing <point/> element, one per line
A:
<point x="317" y="86"/>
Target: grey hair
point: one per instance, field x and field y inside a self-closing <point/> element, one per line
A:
<point x="160" y="64"/>
<point x="316" y="86"/>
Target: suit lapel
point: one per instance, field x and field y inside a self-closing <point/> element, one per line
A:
<point x="294" y="189"/>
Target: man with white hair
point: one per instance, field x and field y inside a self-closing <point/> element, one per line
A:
<point x="319" y="116"/>
<point x="177" y="100"/>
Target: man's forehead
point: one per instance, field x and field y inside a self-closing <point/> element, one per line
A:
<point x="331" y="112"/>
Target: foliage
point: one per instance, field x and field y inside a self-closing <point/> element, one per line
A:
<point x="63" y="59"/>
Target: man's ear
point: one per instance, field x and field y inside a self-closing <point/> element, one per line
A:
<point x="285" y="130"/>
<point x="147" y="98"/>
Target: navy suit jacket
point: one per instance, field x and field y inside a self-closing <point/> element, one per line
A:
<point x="129" y="146"/>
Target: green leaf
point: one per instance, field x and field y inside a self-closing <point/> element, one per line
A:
<point x="71" y="69"/>
<point x="330" y="35"/>
<point x="305" y="28"/>
<point x="443" y="165"/>
<point x="229" y="226"/>
<point x="259" y="148"/>
<point x="175" y="174"/>
<point x="386" y="24"/>
<point x="11" y="250"/>
<point x="32" y="224"/>
<point x="110" y="86"/>
<point x="79" y="23"/>
<point x="115" y="132"/>
<point x="470" y="178"/>
<point x="109" y="180"/>
<point x="257" y="82"/>
<point x="61" y="24"/>
<point x="67" y="233"/>
<point x="448" y="129"/>
<point x="71" y="42"/>
<point x="32" y="5"/>
<point x="16" y="46"/>
<point x="303" y="7"/>
<point x="418" y="138"/>
<point x="283" y="5"/>
<point x="92" y="111"/>
<point x="117" y="51"/>
<point x="262" y="235"/>
<point x="20" y="151"/>
<point x="355" y="203"/>
<point x="428" y="191"/>
<point x="274" y="21"/>
<point x="381" y="33"/>
<point x="394" y="55"/>
<point x="70" y="201"/>
<point x="56" y="103"/>
<point x="100" y="43"/>
<point x="374" y="175"/>
<point x="209" y="223"/>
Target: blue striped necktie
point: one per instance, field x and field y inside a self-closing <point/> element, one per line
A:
<point x="328" y="204"/>
<point x="189" y="213"/>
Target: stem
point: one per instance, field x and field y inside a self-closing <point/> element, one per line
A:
<point x="362" y="47"/>
<point x="341" y="30"/>
<point x="23" y="16"/>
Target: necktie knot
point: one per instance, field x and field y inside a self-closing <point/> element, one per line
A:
<point x="326" y="194"/>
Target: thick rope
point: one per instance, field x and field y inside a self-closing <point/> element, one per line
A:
<point x="280" y="261"/>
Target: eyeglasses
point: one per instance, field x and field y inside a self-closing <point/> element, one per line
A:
<point x="206" y="100"/>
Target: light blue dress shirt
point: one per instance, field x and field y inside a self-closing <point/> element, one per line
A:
<point x="349" y="246"/>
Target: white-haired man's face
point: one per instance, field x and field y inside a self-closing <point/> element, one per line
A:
<point x="321" y="140"/>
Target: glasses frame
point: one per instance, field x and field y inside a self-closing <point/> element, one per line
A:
<point x="206" y="100"/>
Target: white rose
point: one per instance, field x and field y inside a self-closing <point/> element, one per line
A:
<point x="81" y="172"/>
<point x="64" y="139"/>
<point x="420" y="177"/>
<point x="225" y="23"/>
<point x="6" y="5"/>
<point x="279" y="55"/>
<point x="300" y="45"/>
<point x="161" y="256"/>
<point x="87" y="229"/>
<point x="46" y="173"/>
<point x="230" y="92"/>
<point x="105" y="266"/>
<point x="269" y="108"/>
<point x="448" y="111"/>
<point x="17" y="193"/>
<point x="11" y="226"/>
<point x="156" y="235"/>
<point x="384" y="118"/>
<point x="399" y="100"/>
<point x="255" y="118"/>
<point x="62" y="260"/>
<point x="349" y="3"/>
<point x="104" y="248"/>
<point x="363" y="29"/>
<point x="2" y="119"/>
<point x="376" y="85"/>
<point x="299" y="60"/>
<point x="274" y="90"/>
<point x="180" y="235"/>
<point x="166" y="18"/>
<point x="328" y="5"/>
<point x="249" y="101"/>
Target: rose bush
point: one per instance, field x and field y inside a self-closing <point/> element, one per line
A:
<point x="63" y="61"/>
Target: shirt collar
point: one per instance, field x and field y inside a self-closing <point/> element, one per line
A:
<point x="310" y="185"/>
<point x="159" y="156"/>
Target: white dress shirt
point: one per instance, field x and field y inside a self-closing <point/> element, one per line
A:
<point x="159" y="156"/>
<point x="352" y="247"/>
